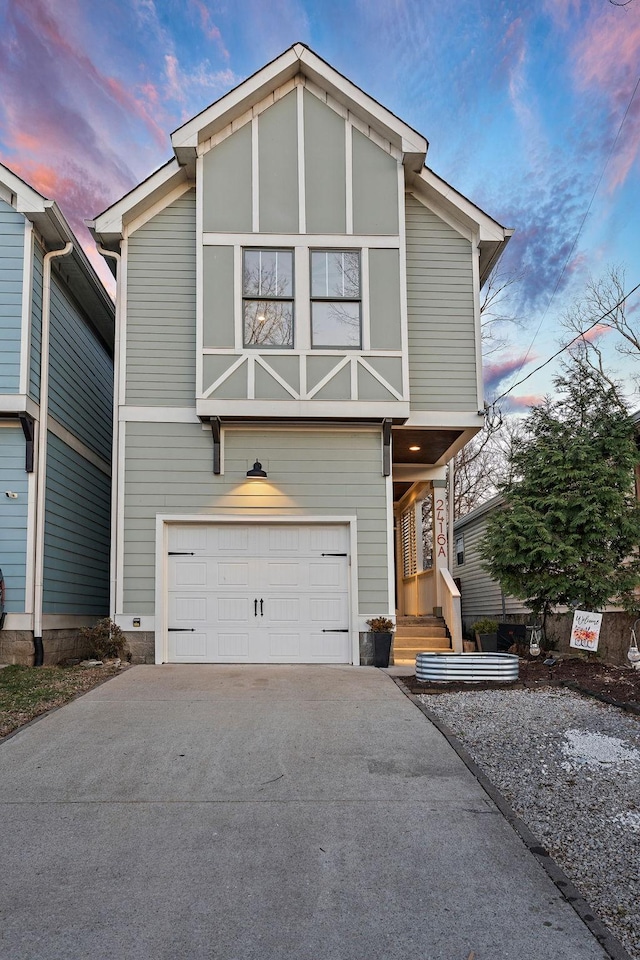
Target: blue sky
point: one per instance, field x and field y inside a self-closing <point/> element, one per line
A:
<point x="521" y="103"/>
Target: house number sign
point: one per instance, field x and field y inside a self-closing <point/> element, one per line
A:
<point x="441" y="528"/>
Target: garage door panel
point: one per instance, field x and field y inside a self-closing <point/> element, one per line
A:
<point x="189" y="537"/>
<point x="281" y="572"/>
<point x="326" y="646"/>
<point x="284" y="645"/>
<point x="232" y="574"/>
<point x="231" y="538"/>
<point x="233" y="646"/>
<point x="327" y="573"/>
<point x="190" y="574"/>
<point x="190" y="609"/>
<point x="192" y="646"/>
<point x="284" y="539"/>
<point x="233" y="609"/>
<point x="282" y="609"/>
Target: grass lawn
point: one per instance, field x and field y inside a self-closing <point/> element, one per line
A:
<point x="26" y="692"/>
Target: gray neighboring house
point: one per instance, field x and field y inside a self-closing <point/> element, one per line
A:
<point x="299" y="292"/>
<point x="481" y="596"/>
<point x="56" y="400"/>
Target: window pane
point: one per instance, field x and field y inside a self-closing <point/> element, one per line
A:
<point x="268" y="273"/>
<point x="335" y="324"/>
<point x="318" y="273"/>
<point x="268" y="323"/>
<point x="335" y="273"/>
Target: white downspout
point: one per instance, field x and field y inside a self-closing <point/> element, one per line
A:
<point x="113" y="560"/>
<point x="38" y="582"/>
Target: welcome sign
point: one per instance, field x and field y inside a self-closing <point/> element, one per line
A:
<point x="585" y="631"/>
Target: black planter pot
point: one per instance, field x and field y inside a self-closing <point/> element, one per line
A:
<point x="381" y="648"/>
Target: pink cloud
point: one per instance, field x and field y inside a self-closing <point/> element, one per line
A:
<point x="606" y="59"/>
<point x="209" y="28"/>
<point x="599" y="330"/>
<point x="496" y="373"/>
<point x="525" y="402"/>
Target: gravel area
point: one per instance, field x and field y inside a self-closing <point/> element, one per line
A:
<point x="570" y="767"/>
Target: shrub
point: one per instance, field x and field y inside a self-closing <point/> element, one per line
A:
<point x="486" y="625"/>
<point x="106" y="640"/>
<point x="380" y="625"/>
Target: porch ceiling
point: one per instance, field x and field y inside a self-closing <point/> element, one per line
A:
<point x="432" y="444"/>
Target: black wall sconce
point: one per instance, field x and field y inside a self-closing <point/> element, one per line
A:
<point x="256" y="472"/>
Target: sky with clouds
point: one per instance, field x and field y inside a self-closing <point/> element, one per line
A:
<point x="521" y="101"/>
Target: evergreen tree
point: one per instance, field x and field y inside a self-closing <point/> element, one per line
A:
<point x="570" y="529"/>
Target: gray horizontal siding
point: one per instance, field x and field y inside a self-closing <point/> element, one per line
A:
<point x="161" y="308"/>
<point x="36" y="322"/>
<point x="80" y="373"/>
<point x="13" y="515"/>
<point x="440" y="302"/>
<point x="169" y="470"/>
<point x="481" y="596"/>
<point x="77" y="527"/>
<point x="11" y="268"/>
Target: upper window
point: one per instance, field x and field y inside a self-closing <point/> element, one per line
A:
<point x="267" y="298"/>
<point x="335" y="298"/>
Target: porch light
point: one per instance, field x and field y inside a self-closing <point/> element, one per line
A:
<point x="256" y="472"/>
<point x="414" y="449"/>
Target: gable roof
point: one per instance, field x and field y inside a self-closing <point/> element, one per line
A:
<point x="50" y="223"/>
<point x="298" y="59"/>
<point x="190" y="138"/>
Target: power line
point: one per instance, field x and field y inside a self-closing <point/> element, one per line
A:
<point x="577" y="237"/>
<point x="579" y="336"/>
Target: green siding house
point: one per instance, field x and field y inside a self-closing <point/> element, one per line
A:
<point x="56" y="401"/>
<point x="298" y="298"/>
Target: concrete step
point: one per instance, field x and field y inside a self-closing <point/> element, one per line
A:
<point x="422" y="643"/>
<point x="412" y="621"/>
<point x="421" y="630"/>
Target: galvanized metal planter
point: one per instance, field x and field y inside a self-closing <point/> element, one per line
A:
<point x="467" y="667"/>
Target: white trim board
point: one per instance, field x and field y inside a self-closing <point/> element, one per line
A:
<point x="80" y="448"/>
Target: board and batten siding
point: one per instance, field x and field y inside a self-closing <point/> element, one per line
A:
<point x="11" y="279"/>
<point x="13" y="514"/>
<point x="481" y="595"/>
<point x="169" y="471"/>
<point x="440" y="304"/>
<point x="161" y="308"/>
<point x="80" y="374"/>
<point x="36" y="322"/>
<point x="77" y="531"/>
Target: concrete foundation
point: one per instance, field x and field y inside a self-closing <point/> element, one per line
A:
<point x="142" y="645"/>
<point x="16" y="646"/>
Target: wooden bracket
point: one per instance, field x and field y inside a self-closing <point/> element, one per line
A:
<point x="386" y="448"/>
<point x="215" y="433"/>
<point x="27" y="423"/>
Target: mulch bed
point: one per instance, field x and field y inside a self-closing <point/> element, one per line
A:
<point x="604" y="681"/>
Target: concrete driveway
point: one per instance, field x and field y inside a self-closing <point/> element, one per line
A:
<point x="228" y="813"/>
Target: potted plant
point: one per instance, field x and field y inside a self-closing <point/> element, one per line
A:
<point x="486" y="631"/>
<point x="381" y="632"/>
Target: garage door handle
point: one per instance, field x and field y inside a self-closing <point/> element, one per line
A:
<point x="180" y="553"/>
<point x="261" y="610"/>
<point x="334" y="554"/>
<point x="343" y="630"/>
<point x="255" y="608"/>
<point x="181" y="629"/>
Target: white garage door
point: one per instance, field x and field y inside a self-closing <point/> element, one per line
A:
<point x="258" y="593"/>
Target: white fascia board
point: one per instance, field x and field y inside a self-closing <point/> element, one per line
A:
<point x="466" y="211"/>
<point x="299" y="59"/>
<point x="27" y="199"/>
<point x="108" y="226"/>
<point x="446" y="419"/>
